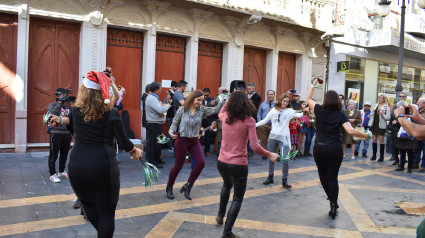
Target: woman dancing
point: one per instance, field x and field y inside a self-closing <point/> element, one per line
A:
<point x="279" y="137"/>
<point x="185" y="130"/>
<point x="327" y="150"/>
<point x="238" y="127"/>
<point x="93" y="169"/>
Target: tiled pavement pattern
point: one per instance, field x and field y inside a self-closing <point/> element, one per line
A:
<point x="375" y="201"/>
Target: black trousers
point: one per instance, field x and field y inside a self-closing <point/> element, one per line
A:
<point x="153" y="148"/>
<point x="59" y="144"/>
<point x="328" y="159"/>
<point x="208" y="139"/>
<point x="102" y="217"/>
<point x="233" y="175"/>
<point x="403" y="158"/>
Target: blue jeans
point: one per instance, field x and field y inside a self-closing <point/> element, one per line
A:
<point x="248" y="147"/>
<point x="308" y="138"/>
<point x="417" y="154"/>
<point x="365" y="146"/>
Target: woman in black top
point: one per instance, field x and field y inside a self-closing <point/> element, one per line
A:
<point x="93" y="168"/>
<point x="327" y="150"/>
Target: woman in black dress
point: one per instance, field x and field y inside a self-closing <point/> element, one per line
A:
<point x="327" y="150"/>
<point x="93" y="168"/>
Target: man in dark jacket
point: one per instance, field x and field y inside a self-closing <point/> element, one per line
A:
<point x="256" y="99"/>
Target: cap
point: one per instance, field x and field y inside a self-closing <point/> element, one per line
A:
<point x="367" y="103"/>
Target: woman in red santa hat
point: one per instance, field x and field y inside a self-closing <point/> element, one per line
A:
<point x="93" y="168"/>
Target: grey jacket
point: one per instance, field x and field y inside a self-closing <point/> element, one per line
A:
<point x="383" y="118"/>
<point x="155" y="110"/>
<point x="188" y="125"/>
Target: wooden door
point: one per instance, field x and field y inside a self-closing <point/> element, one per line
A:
<point x="169" y="62"/>
<point x="254" y="69"/>
<point x="285" y="73"/>
<point x="53" y="63"/>
<point x="209" y="66"/>
<point x="8" y="34"/>
<point x="124" y="55"/>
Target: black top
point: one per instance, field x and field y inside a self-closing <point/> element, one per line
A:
<point x="328" y="124"/>
<point x="256" y="99"/>
<point x="144" y="122"/>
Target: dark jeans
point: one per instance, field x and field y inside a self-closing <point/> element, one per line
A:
<point x="417" y="154"/>
<point x="59" y="144"/>
<point x="102" y="217"/>
<point x="309" y="137"/>
<point x="208" y="139"/>
<point x="171" y="142"/>
<point x="236" y="175"/>
<point x="153" y="148"/>
<point x="403" y="158"/>
<point x="328" y="158"/>
<point x="181" y="146"/>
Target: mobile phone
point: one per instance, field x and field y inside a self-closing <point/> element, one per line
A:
<point x="407" y="110"/>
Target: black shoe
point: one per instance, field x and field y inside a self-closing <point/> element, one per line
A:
<point x="300" y="155"/>
<point x="305" y="154"/>
<point x="373" y="158"/>
<point x="230" y="236"/>
<point x="395" y="163"/>
<point x="269" y="180"/>
<point x="409" y="171"/>
<point x="219" y="220"/>
<point x="77" y="204"/>
<point x="333" y="210"/>
<point x="309" y="154"/>
<point x="399" y="169"/>
<point x="285" y="183"/>
<point x="161" y="161"/>
<point x="186" y="189"/>
<point x="356" y="154"/>
<point x="169" y="191"/>
<point x="364" y="155"/>
<point x="159" y="166"/>
<point x="391" y="159"/>
<point x="83" y="213"/>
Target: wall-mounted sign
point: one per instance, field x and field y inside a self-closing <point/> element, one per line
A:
<point x="342" y="66"/>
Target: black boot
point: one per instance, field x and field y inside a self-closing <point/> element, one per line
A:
<point x="305" y="154"/>
<point x="269" y="180"/>
<point x="309" y="154"/>
<point x="230" y="236"/>
<point x="285" y="183"/>
<point x="186" y="189"/>
<point x="169" y="191"/>
<point x="375" y="149"/>
<point x="333" y="210"/>
<point x="83" y="213"/>
<point x="381" y="152"/>
<point x="77" y="204"/>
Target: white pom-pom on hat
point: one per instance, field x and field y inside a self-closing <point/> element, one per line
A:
<point x="107" y="101"/>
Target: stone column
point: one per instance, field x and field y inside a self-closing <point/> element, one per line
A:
<point x="21" y="81"/>
<point x="232" y="63"/>
<point x="271" y="70"/>
<point x="191" y="62"/>
<point x="303" y="75"/>
<point x="149" y="53"/>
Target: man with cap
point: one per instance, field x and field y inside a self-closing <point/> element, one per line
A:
<point x="296" y="101"/>
<point x="365" y="113"/>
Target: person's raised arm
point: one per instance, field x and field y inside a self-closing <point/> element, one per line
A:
<point x="311" y="103"/>
<point x="265" y="120"/>
<point x="57" y="120"/>
<point x="415" y="115"/>
<point x="350" y="130"/>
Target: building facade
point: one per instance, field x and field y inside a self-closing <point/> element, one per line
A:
<point x="369" y="52"/>
<point x="47" y="44"/>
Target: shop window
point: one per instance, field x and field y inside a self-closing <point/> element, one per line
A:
<point x="354" y="81"/>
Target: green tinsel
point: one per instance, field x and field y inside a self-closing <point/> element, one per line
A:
<point x="162" y="139"/>
<point x="289" y="158"/>
<point x="150" y="172"/>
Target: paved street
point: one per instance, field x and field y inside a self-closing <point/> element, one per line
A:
<point x="375" y="201"/>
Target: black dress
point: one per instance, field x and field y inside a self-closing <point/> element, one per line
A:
<point x="93" y="169"/>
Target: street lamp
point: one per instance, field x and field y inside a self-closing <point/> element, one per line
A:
<point x="384" y="10"/>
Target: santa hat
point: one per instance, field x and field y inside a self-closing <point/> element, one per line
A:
<point x="98" y="81"/>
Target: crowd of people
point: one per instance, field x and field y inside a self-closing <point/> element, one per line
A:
<point x="238" y="123"/>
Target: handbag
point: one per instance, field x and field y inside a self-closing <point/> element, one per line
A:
<point x="361" y="129"/>
<point x="402" y="133"/>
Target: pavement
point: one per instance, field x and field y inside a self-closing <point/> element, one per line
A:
<point x="374" y="200"/>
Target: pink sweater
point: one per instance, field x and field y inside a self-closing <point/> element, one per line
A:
<point x="235" y="138"/>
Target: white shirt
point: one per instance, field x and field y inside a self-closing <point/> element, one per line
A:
<point x="280" y="124"/>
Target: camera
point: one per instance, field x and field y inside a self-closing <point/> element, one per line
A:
<point x="407" y="110"/>
<point x="62" y="94"/>
<point x="225" y="91"/>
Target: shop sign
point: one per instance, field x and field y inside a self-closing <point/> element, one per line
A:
<point x="409" y="43"/>
<point x="342" y="66"/>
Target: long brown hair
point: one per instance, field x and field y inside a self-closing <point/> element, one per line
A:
<point x="239" y="107"/>
<point x="189" y="100"/>
<point x="278" y="104"/>
<point x="331" y="101"/>
<point x="91" y="104"/>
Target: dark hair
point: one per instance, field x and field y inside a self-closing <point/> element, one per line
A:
<point x="270" y="90"/>
<point x="181" y="83"/>
<point x="206" y="90"/>
<point x="331" y="101"/>
<point x="300" y="105"/>
<point x="340" y="95"/>
<point x="148" y="88"/>
<point x="239" y="107"/>
<point x="107" y="72"/>
<point x="154" y="86"/>
<point x="173" y="83"/>
<point x="278" y="103"/>
<point x="237" y="84"/>
<point x="189" y="100"/>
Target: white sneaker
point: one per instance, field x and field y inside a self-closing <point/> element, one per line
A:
<point x="63" y="175"/>
<point x="353" y="157"/>
<point x="54" y="178"/>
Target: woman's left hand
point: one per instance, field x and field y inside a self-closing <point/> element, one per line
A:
<point x="54" y="121"/>
<point x="137" y="154"/>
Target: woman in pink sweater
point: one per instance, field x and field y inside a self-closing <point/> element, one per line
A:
<point x="238" y="127"/>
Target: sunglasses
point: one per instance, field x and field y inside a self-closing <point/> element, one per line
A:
<point x="402" y="96"/>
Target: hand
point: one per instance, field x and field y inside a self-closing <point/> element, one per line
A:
<point x="122" y="89"/>
<point x="351" y="120"/>
<point x="174" y="136"/>
<point x="394" y="122"/>
<point x="306" y="109"/>
<point x="137" y="154"/>
<point x="54" y="121"/>
<point x="213" y="103"/>
<point x="273" y="157"/>
<point x="373" y="110"/>
<point x="213" y="125"/>
<point x="414" y="114"/>
<point x="315" y="80"/>
<point x="170" y="101"/>
<point x="399" y="111"/>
